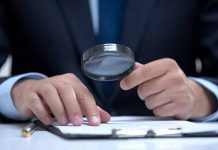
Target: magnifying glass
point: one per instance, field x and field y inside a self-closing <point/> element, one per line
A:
<point x="108" y="62"/>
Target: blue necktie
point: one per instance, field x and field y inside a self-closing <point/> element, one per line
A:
<point x="110" y="23"/>
<point x="110" y="20"/>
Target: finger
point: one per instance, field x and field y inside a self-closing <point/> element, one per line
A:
<point x="105" y="117"/>
<point x="166" y="110"/>
<point x="158" y="99"/>
<point x="137" y="65"/>
<point x="184" y="116"/>
<point x="46" y="106"/>
<point x="151" y="87"/>
<point x="147" y="72"/>
<point x="85" y="100"/>
<point x="89" y="108"/>
<point x="70" y="103"/>
<point x="52" y="99"/>
<point x="39" y="110"/>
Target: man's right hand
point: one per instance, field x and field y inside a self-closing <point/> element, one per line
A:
<point x="63" y="96"/>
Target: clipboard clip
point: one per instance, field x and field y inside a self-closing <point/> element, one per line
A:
<point x="153" y="133"/>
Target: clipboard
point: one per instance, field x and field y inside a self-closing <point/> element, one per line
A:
<point x="118" y="133"/>
<point x="58" y="132"/>
<point x="115" y="133"/>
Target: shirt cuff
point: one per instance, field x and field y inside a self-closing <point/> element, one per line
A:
<point x="213" y="88"/>
<point x="7" y="107"/>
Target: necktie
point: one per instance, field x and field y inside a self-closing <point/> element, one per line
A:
<point x="110" y="22"/>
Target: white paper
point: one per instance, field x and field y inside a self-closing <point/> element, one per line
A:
<point x="130" y="124"/>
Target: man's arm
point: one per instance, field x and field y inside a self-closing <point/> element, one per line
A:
<point x="8" y="112"/>
<point x="32" y="94"/>
<point x="65" y="97"/>
<point x="7" y="107"/>
<point x="212" y="88"/>
<point x="166" y="90"/>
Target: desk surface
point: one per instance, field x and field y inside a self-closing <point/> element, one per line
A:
<point x="11" y="139"/>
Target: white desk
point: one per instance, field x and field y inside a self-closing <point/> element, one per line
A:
<point x="11" y="139"/>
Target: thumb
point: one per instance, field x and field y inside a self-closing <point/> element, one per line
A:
<point x="137" y="65"/>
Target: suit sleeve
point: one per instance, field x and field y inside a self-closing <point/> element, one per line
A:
<point x="207" y="39"/>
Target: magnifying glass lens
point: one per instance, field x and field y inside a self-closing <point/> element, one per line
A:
<point x="109" y="65"/>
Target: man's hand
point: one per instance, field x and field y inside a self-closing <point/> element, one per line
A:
<point x="166" y="90"/>
<point x="63" y="96"/>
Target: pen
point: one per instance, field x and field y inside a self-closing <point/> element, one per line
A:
<point x="29" y="129"/>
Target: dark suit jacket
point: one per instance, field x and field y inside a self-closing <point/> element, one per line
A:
<point x="49" y="36"/>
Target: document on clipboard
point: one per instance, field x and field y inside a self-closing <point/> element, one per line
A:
<point x="129" y="127"/>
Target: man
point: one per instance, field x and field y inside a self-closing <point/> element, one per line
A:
<point x="167" y="38"/>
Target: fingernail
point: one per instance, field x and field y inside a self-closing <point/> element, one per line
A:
<point x="77" y="120"/>
<point x="95" y="120"/>
<point x="123" y="85"/>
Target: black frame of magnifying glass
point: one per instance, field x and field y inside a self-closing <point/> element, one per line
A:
<point x="104" y="48"/>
